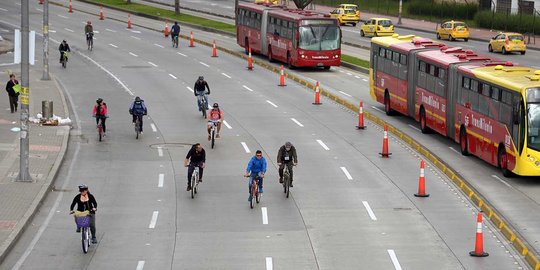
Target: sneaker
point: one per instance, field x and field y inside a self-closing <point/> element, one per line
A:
<point x="104" y="134"/>
<point x="281" y="180"/>
<point x="78" y="230"/>
<point x="94" y="240"/>
<point x="142" y="132"/>
<point x="290" y="185"/>
<point x="217" y="136"/>
<point x="188" y="188"/>
<point x="200" y="180"/>
<point x="209" y="137"/>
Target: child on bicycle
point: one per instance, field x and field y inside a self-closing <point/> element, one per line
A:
<point x="100" y="113"/>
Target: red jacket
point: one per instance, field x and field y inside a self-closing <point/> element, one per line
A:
<point x="103" y="109"/>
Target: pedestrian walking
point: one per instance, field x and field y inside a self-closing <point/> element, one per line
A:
<point x="13" y="89"/>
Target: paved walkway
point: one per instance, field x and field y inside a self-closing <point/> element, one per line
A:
<point x="48" y="144"/>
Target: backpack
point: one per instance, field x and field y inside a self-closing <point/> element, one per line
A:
<point x="138" y="108"/>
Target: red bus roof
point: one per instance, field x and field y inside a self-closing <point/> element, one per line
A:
<point x="284" y="12"/>
<point x="450" y="55"/>
<point x="416" y="43"/>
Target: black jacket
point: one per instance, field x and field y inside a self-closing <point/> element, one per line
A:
<point x="200" y="87"/>
<point x="83" y="206"/>
<point x="9" y="88"/>
<point x="196" y="158"/>
<point x="63" y="47"/>
<point x="291" y="154"/>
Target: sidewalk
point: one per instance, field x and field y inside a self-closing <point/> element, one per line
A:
<point x="20" y="200"/>
<point x="478" y="34"/>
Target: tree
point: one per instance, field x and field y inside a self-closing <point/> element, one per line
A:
<point x="301" y="4"/>
<point x="177" y="7"/>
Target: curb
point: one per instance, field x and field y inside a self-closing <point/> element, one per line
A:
<point x="478" y="200"/>
<point x="24" y="222"/>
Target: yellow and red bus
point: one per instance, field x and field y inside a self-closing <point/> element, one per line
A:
<point x="490" y="107"/>
<point x="297" y="37"/>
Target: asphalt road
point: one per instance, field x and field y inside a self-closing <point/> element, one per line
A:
<point x="352" y="34"/>
<point x="348" y="207"/>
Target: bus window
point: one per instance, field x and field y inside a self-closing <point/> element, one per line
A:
<point x="483" y="105"/>
<point x="466" y="83"/>
<point x="382" y="52"/>
<point x="505" y="116"/>
<point x="495" y="93"/>
<point x="395" y="57"/>
<point x="319" y="37"/>
<point x="533" y="118"/>
<point x="486" y="90"/>
<point x="474" y="86"/>
<point x="473" y="99"/>
<point x="403" y="59"/>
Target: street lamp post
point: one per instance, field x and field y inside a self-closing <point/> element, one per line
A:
<point x="46" y="41"/>
<point x="24" y="174"/>
<point x="400" y="9"/>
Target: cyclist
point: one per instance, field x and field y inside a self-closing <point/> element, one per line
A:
<point x="256" y="167"/>
<point x="100" y="113"/>
<point x="138" y="109"/>
<point x="195" y="157"/>
<point x="200" y="91"/>
<point x="286" y="156"/>
<point x="64" y="47"/>
<point x="175" y="31"/>
<point x="89" y="32"/>
<point x="216" y="115"/>
<point x="86" y="202"/>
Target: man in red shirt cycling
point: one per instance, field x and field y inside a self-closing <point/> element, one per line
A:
<point x="215" y="116"/>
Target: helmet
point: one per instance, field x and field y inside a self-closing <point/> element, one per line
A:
<point x="201" y="78"/>
<point x="99" y="100"/>
<point x="215" y="105"/>
<point x="288" y="145"/>
<point x="64" y="41"/>
<point x="137" y="99"/>
<point x="88" y="22"/>
<point x="83" y="187"/>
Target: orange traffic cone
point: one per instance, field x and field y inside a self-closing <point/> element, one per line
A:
<point x="70" y="7"/>
<point x="129" y="21"/>
<point x="191" y="39"/>
<point x="421" y="182"/>
<point x="281" y="77"/>
<point x="250" y="61"/>
<point x="101" y="17"/>
<point x="361" y="116"/>
<point x="385" y="152"/>
<point x="317" y="95"/>
<point x="479" y="245"/>
<point x="166" y="31"/>
<point x="214" y="50"/>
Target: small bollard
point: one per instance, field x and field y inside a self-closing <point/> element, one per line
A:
<point x="47" y="109"/>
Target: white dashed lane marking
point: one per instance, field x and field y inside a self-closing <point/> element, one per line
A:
<point x="69" y="30"/>
<point x="132" y="54"/>
<point x="345" y="94"/>
<point x="160" y="151"/>
<point x="394" y="259"/>
<point x="161" y="46"/>
<point x="323" y="145"/>
<point x="246" y="148"/>
<point x="415" y="128"/>
<point x="181" y="54"/>
<point x="152" y="64"/>
<point x="172" y="76"/>
<point x="264" y="212"/>
<point x="161" y="179"/>
<point x="62" y="16"/>
<point x="110" y="30"/>
<point x="112" y="45"/>
<point x="269" y="263"/>
<point x="140" y="265"/>
<point x="137" y="38"/>
<point x="297" y="122"/>
<point x="247" y="88"/>
<point x="227" y="124"/>
<point x="226" y="75"/>
<point x="368" y="209"/>
<point x="271" y="103"/>
<point x="154" y="129"/>
<point x="347" y="174"/>
<point x="204" y="64"/>
<point x="153" y="221"/>
<point x="189" y="88"/>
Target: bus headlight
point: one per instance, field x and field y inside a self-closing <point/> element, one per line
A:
<point x="303" y="56"/>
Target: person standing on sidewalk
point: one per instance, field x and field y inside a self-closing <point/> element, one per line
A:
<point x="11" y="87"/>
<point x="85" y="202"/>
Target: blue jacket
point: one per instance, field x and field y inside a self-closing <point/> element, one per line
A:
<point x="256" y="165"/>
<point x="137" y="109"/>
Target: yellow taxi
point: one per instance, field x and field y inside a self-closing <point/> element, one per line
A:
<point x="453" y="30"/>
<point x="377" y="27"/>
<point x="507" y="42"/>
<point x="348" y="14"/>
<point x="275" y="2"/>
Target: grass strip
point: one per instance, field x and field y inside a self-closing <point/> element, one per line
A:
<point x="354" y="60"/>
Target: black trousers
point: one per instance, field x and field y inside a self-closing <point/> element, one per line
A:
<point x="102" y="122"/>
<point x="282" y="167"/>
<point x="140" y="119"/>
<point x="13" y="103"/>
<point x="191" y="168"/>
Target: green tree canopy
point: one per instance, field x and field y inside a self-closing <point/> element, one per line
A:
<point x="301" y="4"/>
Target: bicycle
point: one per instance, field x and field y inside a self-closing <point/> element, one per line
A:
<point x="64" y="59"/>
<point x="137" y="126"/>
<point x="213" y="129"/>
<point x="203" y="104"/>
<point x="83" y="222"/>
<point x="90" y="40"/>
<point x="175" y="41"/>
<point x="194" y="180"/>
<point x="286" y="180"/>
<point x="100" y="129"/>
<point x="254" y="191"/>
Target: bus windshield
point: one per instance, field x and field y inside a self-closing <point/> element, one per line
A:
<point x="533" y="118"/>
<point x="319" y="37"/>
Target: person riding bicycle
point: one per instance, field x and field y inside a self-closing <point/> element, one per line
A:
<point x="215" y="115"/>
<point x="196" y="157"/>
<point x="138" y="109"/>
<point x="100" y="113"/>
<point x="287" y="157"/>
<point x="200" y="91"/>
<point x="89" y="31"/>
<point x="64" y="47"/>
<point x="85" y="202"/>
<point x="256" y="168"/>
<point x="175" y="31"/>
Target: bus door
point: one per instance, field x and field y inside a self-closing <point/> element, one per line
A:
<point x="412" y="77"/>
<point x="451" y="99"/>
<point x="264" y="29"/>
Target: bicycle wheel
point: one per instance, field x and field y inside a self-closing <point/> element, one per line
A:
<point x="85" y="239"/>
<point x="213" y="137"/>
<point x="257" y="194"/>
<point x="203" y="109"/>
<point x="253" y="194"/>
<point x="137" y="128"/>
<point x="194" y="176"/>
<point x="287" y="184"/>
<point x="100" y="133"/>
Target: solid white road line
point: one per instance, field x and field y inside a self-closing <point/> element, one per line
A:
<point x="62" y="16"/>
<point x="264" y="215"/>
<point x="137" y="38"/>
<point x="3" y="9"/>
<point x="323" y="145"/>
<point x="189" y="88"/>
<point x="52" y="31"/>
<point x="346" y="173"/>
<point x="154" y="129"/>
<point x="271" y="103"/>
<point x="502" y="181"/>
<point x="161" y="179"/>
<point x="112" y="45"/>
<point x="110" y="30"/>
<point x="245" y="147"/>
<point x="269" y="264"/>
<point x="394" y="259"/>
<point x="108" y="72"/>
<point x="181" y="54"/>
<point x="133" y="54"/>
<point x="69" y="30"/>
<point x="345" y="93"/>
<point x="140" y="265"/>
<point x="172" y="76"/>
<point x="135" y="31"/>
<point x="161" y="46"/>
<point x="227" y="124"/>
<point x="368" y="209"/>
<point x="225" y="75"/>
<point x="153" y="221"/>
<point x="297" y="122"/>
<point x="160" y="151"/>
<point x="452" y="148"/>
<point x="204" y="64"/>
<point x="415" y="128"/>
<point x="375" y="108"/>
<point x="152" y="64"/>
<point x="247" y="88"/>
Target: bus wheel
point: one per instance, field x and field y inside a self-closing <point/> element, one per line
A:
<point x="463" y="142"/>
<point x="490" y="49"/>
<point x="362" y="33"/>
<point x="503" y="162"/>
<point x="423" y="123"/>
<point x="247" y="46"/>
<point x="289" y="61"/>
<point x="326" y="67"/>
<point x="270" y="55"/>
<point x="438" y="36"/>
<point x="387" y="107"/>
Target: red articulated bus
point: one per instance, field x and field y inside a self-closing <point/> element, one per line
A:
<point x="296" y="37"/>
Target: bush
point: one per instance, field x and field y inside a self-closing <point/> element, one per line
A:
<point x="442" y="10"/>
<point x="508" y="22"/>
